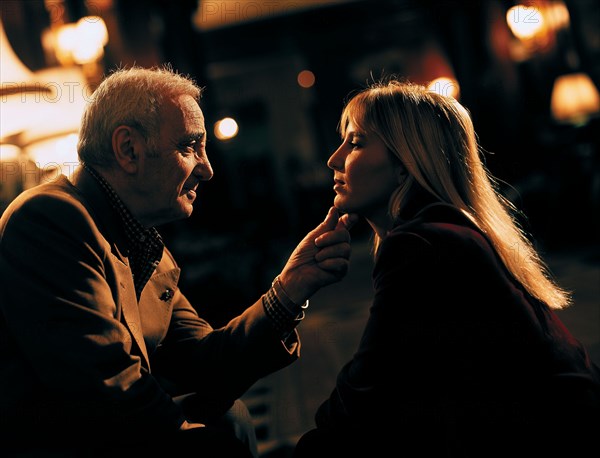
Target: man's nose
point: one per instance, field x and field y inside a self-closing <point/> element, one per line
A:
<point x="203" y="169"/>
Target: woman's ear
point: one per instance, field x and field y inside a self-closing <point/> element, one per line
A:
<point x="401" y="173"/>
<point x="127" y="145"/>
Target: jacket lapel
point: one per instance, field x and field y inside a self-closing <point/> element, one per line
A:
<point x="129" y="306"/>
<point x="111" y="228"/>
<point x="156" y="306"/>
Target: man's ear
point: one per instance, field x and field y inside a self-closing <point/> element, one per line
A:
<point x="127" y="145"/>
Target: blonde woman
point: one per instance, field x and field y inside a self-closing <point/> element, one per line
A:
<point x="462" y="354"/>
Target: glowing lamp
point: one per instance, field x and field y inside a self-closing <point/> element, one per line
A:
<point x="574" y="99"/>
<point x="445" y="86"/>
<point x="525" y="22"/>
<point x="226" y="128"/>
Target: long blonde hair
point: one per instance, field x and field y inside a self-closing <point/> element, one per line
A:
<point x="434" y="139"/>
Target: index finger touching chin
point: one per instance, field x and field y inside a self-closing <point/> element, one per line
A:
<point x="348" y="220"/>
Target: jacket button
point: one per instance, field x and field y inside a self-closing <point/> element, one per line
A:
<point x="167" y="295"/>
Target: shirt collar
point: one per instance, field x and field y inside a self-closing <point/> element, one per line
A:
<point x="136" y="233"/>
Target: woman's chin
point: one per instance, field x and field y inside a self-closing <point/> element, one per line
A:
<point x="340" y="205"/>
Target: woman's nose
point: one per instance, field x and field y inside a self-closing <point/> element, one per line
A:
<point x="335" y="161"/>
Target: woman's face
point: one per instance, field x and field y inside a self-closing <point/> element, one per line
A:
<point x="365" y="174"/>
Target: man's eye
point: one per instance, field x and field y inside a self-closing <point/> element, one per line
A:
<point x="188" y="147"/>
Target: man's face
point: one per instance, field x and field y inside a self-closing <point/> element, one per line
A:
<point x="172" y="169"/>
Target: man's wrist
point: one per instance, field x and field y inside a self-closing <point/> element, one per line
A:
<point x="284" y="316"/>
<point x="283" y="297"/>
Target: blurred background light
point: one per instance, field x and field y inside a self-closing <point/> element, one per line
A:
<point x="306" y="79"/>
<point x="226" y="128"/>
<point x="58" y="153"/>
<point x="78" y="43"/>
<point x="445" y="86"/>
<point x="574" y="98"/>
<point x="225" y="13"/>
<point x="525" y="21"/>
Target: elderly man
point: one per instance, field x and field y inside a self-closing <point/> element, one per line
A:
<point x="98" y="346"/>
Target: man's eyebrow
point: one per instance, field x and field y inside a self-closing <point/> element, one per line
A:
<point x="196" y="136"/>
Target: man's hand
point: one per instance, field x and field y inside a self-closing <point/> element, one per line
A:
<point x="321" y="258"/>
